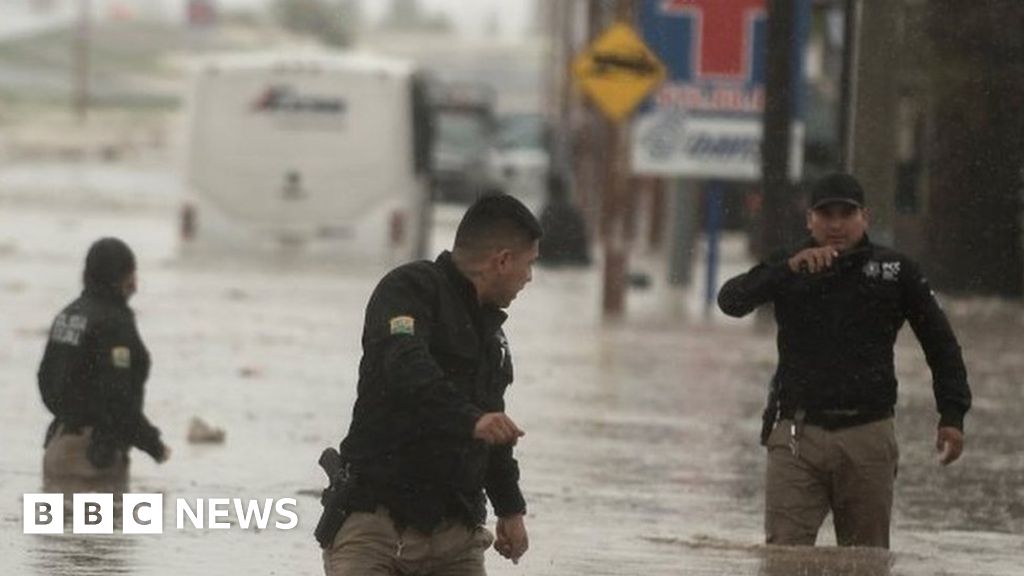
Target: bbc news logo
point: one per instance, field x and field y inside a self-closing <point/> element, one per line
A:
<point x="144" y="513"/>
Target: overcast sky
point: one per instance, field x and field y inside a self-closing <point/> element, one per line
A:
<point x="469" y="16"/>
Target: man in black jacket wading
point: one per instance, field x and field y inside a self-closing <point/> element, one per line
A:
<point x="92" y="379"/>
<point x="429" y="435"/>
<point x="839" y="302"/>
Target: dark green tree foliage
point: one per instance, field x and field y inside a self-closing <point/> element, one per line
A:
<point x="977" y="154"/>
<point x="333" y="22"/>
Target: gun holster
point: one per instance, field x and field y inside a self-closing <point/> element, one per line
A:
<point x="771" y="410"/>
<point x="768" y="418"/>
<point x="336" y="498"/>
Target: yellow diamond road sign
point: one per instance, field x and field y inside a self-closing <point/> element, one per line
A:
<point x="618" y="71"/>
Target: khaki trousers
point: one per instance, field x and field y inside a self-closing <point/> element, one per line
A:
<point x="67" y="469"/>
<point x="849" y="472"/>
<point x="369" y="545"/>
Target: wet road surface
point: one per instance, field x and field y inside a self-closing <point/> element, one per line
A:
<point x="641" y="453"/>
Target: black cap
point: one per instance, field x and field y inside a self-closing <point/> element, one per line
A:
<point x="837" y="187"/>
<point x="108" y="262"/>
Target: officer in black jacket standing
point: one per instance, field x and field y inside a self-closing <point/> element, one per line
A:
<point x="429" y="435"/>
<point x="92" y="380"/>
<point x="840" y="301"/>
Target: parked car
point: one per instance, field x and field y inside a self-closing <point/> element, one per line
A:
<point x="521" y="158"/>
<point x="464" y="137"/>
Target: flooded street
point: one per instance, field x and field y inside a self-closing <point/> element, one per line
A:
<point x="641" y="454"/>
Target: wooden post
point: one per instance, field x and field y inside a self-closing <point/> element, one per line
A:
<point x="618" y="202"/>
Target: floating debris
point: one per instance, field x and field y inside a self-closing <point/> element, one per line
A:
<point x="199" y="432"/>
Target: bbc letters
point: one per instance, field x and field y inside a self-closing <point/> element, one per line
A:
<point x="144" y="513"/>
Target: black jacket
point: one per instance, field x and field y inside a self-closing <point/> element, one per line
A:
<point x="94" y="371"/>
<point x="433" y="362"/>
<point x="837" y="329"/>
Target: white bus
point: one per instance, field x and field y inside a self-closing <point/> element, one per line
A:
<point x="323" y="154"/>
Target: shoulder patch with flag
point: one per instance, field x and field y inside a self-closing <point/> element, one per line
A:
<point x="403" y="325"/>
<point x="121" y="357"/>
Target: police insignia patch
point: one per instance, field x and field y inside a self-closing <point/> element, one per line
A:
<point x="403" y="325"/>
<point x="890" y="271"/>
<point x="872" y="269"/>
<point x="121" y="357"/>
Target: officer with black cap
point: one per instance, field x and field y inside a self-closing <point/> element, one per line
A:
<point x="92" y="379"/>
<point x="839" y="302"/>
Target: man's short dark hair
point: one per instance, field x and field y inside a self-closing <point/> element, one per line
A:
<point x="497" y="221"/>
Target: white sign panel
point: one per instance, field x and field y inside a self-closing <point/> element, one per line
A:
<point x="671" y="143"/>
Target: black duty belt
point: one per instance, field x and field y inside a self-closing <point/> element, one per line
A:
<point x="837" y="419"/>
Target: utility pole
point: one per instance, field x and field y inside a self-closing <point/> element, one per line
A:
<point x="560" y="106"/>
<point x="778" y="120"/>
<point x="555" y="76"/>
<point x="585" y="142"/>
<point x="848" y="81"/>
<point x="874" y="102"/>
<point x="80" y="57"/>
